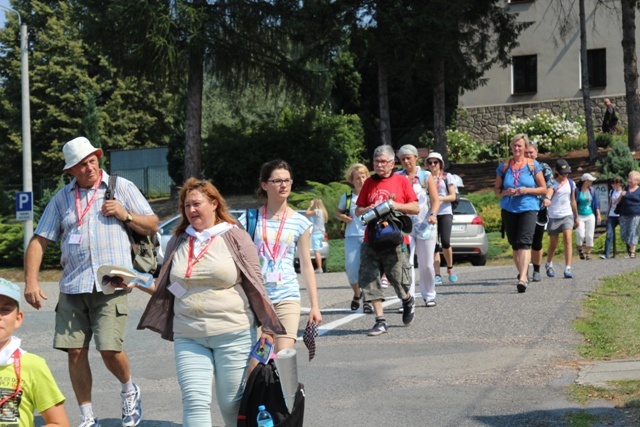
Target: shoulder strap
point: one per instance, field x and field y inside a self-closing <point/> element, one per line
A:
<point x="505" y="166"/>
<point x="111" y="189"/>
<point x="252" y="222"/>
<point x="348" y="204"/>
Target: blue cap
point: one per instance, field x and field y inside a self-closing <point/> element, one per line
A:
<point x="10" y="289"/>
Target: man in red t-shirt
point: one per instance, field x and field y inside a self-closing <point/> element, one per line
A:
<point x="382" y="186"/>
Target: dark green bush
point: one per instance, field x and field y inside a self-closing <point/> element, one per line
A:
<point x="604" y="140"/>
<point x="619" y="162"/>
<point x="318" y="145"/>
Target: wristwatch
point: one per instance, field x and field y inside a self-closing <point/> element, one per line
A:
<point x="129" y="218"/>
<point x="433" y="214"/>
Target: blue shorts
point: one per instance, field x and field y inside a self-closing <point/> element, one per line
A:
<point x="316" y="241"/>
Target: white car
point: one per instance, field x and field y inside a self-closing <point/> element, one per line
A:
<point x="165" y="231"/>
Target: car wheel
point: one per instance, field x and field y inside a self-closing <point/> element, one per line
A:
<point x="324" y="265"/>
<point x="479" y="260"/>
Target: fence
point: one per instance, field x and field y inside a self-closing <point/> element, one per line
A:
<point x="153" y="181"/>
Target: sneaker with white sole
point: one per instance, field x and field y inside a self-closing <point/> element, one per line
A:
<point x="536" y="277"/>
<point x="430" y="303"/>
<point x="384" y="282"/>
<point x="131" y="407"/>
<point x="550" y="271"/>
<point x="438" y="279"/>
<point x="88" y="422"/>
<point x="378" y="329"/>
<point x="568" y="273"/>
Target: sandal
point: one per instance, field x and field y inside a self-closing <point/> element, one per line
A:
<point x="581" y="254"/>
<point x="632" y="255"/>
<point x="355" y="303"/>
<point x="366" y="308"/>
<point x="587" y="256"/>
<point x="522" y="286"/>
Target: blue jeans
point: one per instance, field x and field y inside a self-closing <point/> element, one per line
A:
<point x="612" y="223"/>
<point x="198" y="361"/>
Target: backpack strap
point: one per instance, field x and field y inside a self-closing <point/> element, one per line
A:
<point x="252" y="222"/>
<point x="348" y="201"/>
<point x="110" y="194"/>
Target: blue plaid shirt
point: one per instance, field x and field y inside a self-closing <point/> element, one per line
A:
<point x="104" y="239"/>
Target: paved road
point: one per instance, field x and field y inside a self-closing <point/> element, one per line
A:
<point x="485" y="356"/>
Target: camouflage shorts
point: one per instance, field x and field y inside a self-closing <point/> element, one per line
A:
<point x="393" y="262"/>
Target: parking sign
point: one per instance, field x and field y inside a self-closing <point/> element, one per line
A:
<point x="24" y="205"/>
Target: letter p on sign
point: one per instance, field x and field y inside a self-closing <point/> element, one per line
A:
<point x="24" y="206"/>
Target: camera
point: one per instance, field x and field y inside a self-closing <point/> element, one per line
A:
<point x="377" y="212"/>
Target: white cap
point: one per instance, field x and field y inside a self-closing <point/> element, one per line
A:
<point x="588" y="177"/>
<point x="76" y="150"/>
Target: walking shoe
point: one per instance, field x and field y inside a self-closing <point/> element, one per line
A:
<point x="521" y="286"/>
<point x="384" y="282"/>
<point x="536" y="277"/>
<point x="408" y="311"/>
<point x="550" y="271"/>
<point x="319" y="270"/>
<point x="603" y="257"/>
<point x="430" y="303"/>
<point x="378" y="329"/>
<point x="568" y="274"/>
<point x="453" y="277"/>
<point x="438" y="279"/>
<point x="131" y="407"/>
<point x="581" y="254"/>
<point x="88" y="422"/>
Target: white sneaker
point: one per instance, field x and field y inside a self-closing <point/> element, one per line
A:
<point x="319" y="270"/>
<point x="384" y="282"/>
<point x="88" y="422"/>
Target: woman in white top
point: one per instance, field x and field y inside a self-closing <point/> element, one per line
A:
<point x="318" y="215"/>
<point x="279" y="230"/>
<point x="356" y="175"/>
<point x="424" y="234"/>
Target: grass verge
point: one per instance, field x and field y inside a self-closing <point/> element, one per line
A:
<point x="611" y="330"/>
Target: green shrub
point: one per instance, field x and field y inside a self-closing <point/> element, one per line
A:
<point x="460" y="146"/>
<point x="491" y="217"/>
<point x="619" y="162"/>
<point x="604" y="140"/>
<point x="548" y="131"/>
<point x="330" y="195"/>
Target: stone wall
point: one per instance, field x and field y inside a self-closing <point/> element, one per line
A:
<point x="483" y="123"/>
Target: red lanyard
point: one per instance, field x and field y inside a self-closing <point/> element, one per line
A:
<point x="192" y="259"/>
<point x="93" y="198"/>
<point x="516" y="174"/>
<point x="16" y="366"/>
<point x="559" y="187"/>
<point x="273" y="252"/>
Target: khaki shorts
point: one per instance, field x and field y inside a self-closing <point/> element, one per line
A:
<point x="288" y="312"/>
<point x="79" y="317"/>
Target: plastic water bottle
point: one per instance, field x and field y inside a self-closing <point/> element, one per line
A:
<point x="264" y="417"/>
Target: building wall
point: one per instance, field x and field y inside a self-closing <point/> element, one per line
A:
<point x="558" y="72"/>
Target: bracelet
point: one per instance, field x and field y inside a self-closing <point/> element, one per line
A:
<point x="547" y="197"/>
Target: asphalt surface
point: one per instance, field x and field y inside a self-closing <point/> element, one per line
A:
<point x="485" y="356"/>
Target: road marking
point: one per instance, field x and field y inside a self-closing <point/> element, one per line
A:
<point x="323" y="329"/>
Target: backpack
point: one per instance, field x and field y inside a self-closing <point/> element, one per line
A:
<point x="252" y="222"/>
<point x="263" y="388"/>
<point x="144" y="249"/>
<point x="343" y="225"/>
<point x="456" y="202"/>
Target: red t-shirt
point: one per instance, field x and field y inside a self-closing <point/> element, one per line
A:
<point x="377" y="190"/>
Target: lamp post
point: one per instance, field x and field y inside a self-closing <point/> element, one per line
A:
<point x="27" y="184"/>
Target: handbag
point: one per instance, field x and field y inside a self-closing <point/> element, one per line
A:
<point x="618" y="207"/>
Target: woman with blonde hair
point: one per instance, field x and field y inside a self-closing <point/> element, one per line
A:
<point x="630" y="213"/>
<point x="208" y="298"/>
<point x="319" y="217"/>
<point x="356" y="175"/>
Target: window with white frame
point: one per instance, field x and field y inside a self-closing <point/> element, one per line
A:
<point x="597" y="64"/>
<point x="524" y="74"/>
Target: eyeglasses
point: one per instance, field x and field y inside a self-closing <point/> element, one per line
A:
<point x="381" y="162"/>
<point x="435" y="162"/>
<point x="280" y="181"/>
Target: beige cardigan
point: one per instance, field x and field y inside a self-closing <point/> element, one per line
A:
<point x="158" y="316"/>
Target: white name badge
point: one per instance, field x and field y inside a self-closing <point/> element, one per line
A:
<point x="177" y="290"/>
<point x="75" y="239"/>
<point x="274" y="277"/>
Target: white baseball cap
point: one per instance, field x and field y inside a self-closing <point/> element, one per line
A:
<point x="10" y="290"/>
<point x="76" y="150"/>
<point x="588" y="177"/>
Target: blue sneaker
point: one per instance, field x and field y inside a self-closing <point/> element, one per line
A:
<point x="131" y="407"/>
<point x="438" y="279"/>
<point x="550" y="271"/>
<point x="453" y="277"/>
<point x="568" y="274"/>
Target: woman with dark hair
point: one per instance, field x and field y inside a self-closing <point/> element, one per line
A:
<point x="206" y="299"/>
<point x="279" y="230"/>
<point x="613" y="219"/>
<point x="588" y="214"/>
<point x="519" y="182"/>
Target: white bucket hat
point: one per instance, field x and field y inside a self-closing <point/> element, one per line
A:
<point x="76" y="150"/>
<point x="434" y="155"/>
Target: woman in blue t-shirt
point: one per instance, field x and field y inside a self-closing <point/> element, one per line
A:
<point x="519" y="182"/>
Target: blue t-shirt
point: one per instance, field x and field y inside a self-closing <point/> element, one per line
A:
<point x="519" y="178"/>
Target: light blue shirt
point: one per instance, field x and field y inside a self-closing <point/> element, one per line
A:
<point x="103" y="239"/>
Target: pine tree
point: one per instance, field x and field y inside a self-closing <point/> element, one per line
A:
<point x="619" y="162"/>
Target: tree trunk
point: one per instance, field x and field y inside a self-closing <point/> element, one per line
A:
<point x="383" y="102"/>
<point x="586" y="89"/>
<point x="631" y="72"/>
<point x="439" y="126"/>
<point x="193" y="118"/>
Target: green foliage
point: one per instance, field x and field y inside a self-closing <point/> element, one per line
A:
<point x="460" y="146"/>
<point x="491" y="217"/>
<point x="330" y="195"/>
<point x="549" y="131"/>
<point x="619" y="162"/>
<point x="318" y="145"/>
<point x="604" y="140"/>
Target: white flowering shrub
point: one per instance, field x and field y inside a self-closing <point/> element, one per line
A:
<point x="547" y="130"/>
